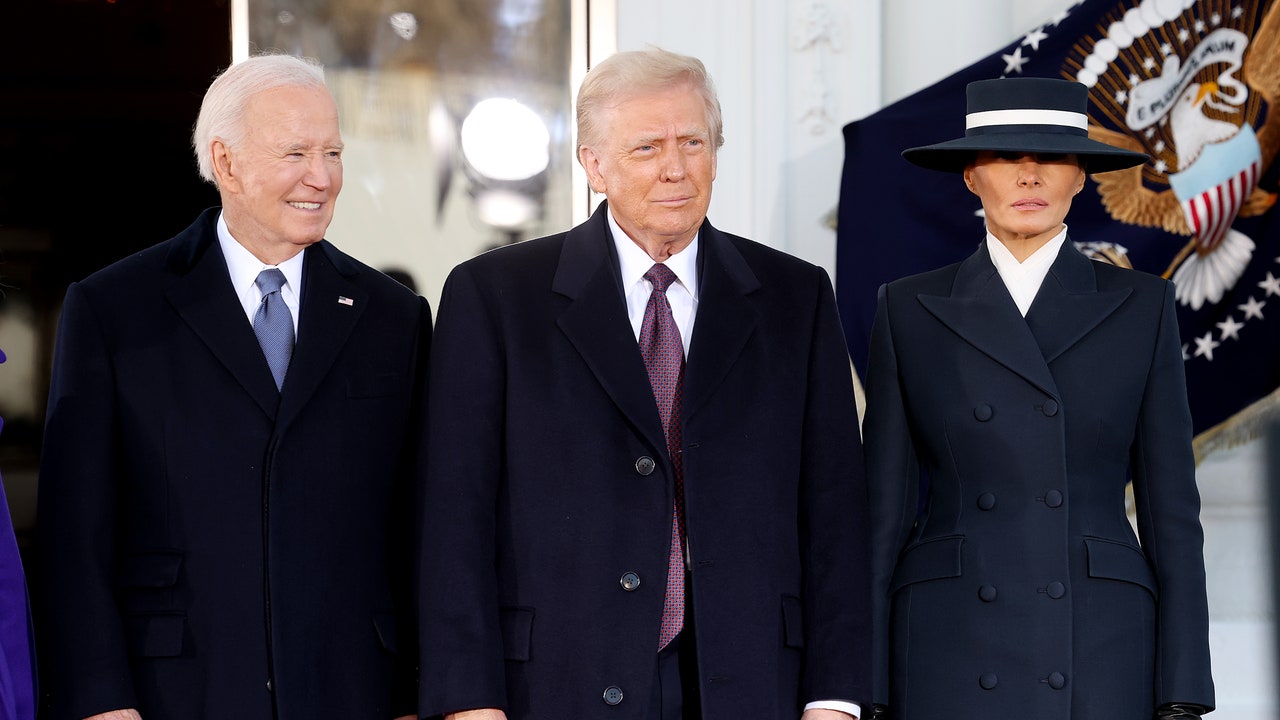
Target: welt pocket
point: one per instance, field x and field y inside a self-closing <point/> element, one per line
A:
<point x="792" y="622"/>
<point x="517" y="632"/>
<point x="156" y="634"/>
<point x="377" y="385"/>
<point x="929" y="560"/>
<point x="154" y="569"/>
<point x="1114" y="560"/>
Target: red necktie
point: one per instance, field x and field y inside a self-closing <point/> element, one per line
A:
<point x="663" y="354"/>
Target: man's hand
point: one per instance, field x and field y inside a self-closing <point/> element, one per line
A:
<point x="822" y="714"/>
<point x="482" y="714"/>
<point x="129" y="714"/>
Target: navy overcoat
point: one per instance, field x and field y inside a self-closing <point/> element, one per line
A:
<point x="548" y="503"/>
<point x="1009" y="582"/>
<point x="214" y="548"/>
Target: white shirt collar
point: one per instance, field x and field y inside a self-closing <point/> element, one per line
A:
<point x="1023" y="279"/>
<point x="244" y="267"/>
<point x="635" y="262"/>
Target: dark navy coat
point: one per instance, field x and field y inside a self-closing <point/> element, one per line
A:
<point x="550" y="483"/>
<point x="1008" y="581"/>
<point x="213" y="548"/>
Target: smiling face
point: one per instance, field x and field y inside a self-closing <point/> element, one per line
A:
<point x="655" y="165"/>
<point x="280" y="183"/>
<point x="1025" y="196"/>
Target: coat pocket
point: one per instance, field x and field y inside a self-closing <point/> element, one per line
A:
<point x="792" y="622"/>
<point x="517" y="632"/>
<point x="1114" y="560"/>
<point x="154" y="569"/>
<point x="928" y="560"/>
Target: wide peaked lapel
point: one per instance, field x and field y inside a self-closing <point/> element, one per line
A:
<point x="331" y="306"/>
<point x="1069" y="305"/>
<point x="596" y="324"/>
<point x="981" y="311"/>
<point x="726" y="318"/>
<point x="203" y="297"/>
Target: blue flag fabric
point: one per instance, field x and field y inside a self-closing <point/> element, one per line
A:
<point x="1192" y="83"/>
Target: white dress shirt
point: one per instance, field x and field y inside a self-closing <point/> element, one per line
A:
<point x="683" y="297"/>
<point x="244" y="268"/>
<point x="1023" y="279"/>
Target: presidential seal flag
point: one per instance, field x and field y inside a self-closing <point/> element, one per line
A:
<point x="1194" y="84"/>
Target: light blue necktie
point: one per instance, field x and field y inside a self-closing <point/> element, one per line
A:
<point x="273" y="324"/>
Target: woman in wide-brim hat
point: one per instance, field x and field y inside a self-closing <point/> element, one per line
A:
<point x="1010" y="398"/>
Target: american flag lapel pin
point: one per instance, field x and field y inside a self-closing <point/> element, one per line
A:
<point x="344" y="300"/>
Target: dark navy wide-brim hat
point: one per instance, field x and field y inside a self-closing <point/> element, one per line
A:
<point x="1034" y="115"/>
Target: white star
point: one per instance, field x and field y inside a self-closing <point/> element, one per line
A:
<point x="1184" y="34"/>
<point x="1205" y="346"/>
<point x="1057" y="19"/>
<point x="1236" y="12"/>
<point x="1122" y="97"/>
<point x="1252" y="309"/>
<point x="1161" y="166"/>
<point x="1159" y="146"/>
<point x="1216" y="18"/>
<point x="1150" y="132"/>
<point x="1271" y="285"/>
<point x="1034" y="37"/>
<point x="1199" y="26"/>
<point x="1149" y="63"/>
<point x="1185" y="355"/>
<point x="1133" y="79"/>
<point x="1014" y="62"/>
<point x="1166" y="49"/>
<point x="1230" y="328"/>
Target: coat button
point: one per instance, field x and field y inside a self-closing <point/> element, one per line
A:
<point x="988" y="681"/>
<point x="986" y="501"/>
<point x="1056" y="590"/>
<point x="1053" y="499"/>
<point x="987" y="593"/>
<point x="629" y="581"/>
<point x="1057" y="681"/>
<point x="1050" y="407"/>
<point x="612" y="695"/>
<point x="270" y="686"/>
<point x="645" y="465"/>
<point x="983" y="412"/>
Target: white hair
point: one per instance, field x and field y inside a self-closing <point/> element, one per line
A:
<point x="223" y="109"/>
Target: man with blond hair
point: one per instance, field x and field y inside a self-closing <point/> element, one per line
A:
<point x="645" y="497"/>
<point x="228" y="459"/>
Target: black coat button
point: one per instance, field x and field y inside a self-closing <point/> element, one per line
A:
<point x="1056" y="590"/>
<point x="1053" y="499"/>
<point x="645" y="465"/>
<point x="1057" y="681"/>
<point x="612" y="695"/>
<point x="988" y="681"/>
<point x="983" y="412"/>
<point x="987" y="593"/>
<point x="1050" y="407"/>
<point x="629" y="581"/>
<point x="986" y="501"/>
<point x="270" y="685"/>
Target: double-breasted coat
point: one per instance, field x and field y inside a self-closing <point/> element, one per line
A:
<point x="549" y="494"/>
<point x="211" y="547"/>
<point x="1008" y="581"/>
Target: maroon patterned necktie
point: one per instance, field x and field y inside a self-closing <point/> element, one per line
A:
<point x="663" y="354"/>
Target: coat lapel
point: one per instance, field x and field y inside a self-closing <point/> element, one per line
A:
<point x="331" y="305"/>
<point x="726" y="318"/>
<point x="596" y="324"/>
<point x="204" y="299"/>
<point x="1068" y="305"/>
<point x="981" y="311"/>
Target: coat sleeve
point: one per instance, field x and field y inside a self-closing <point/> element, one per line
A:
<point x="834" y="526"/>
<point x="83" y="630"/>
<point x="462" y="664"/>
<point x="893" y="480"/>
<point x="1168" y="512"/>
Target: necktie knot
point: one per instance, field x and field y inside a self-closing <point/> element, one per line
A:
<point x="660" y="276"/>
<point x="269" y="281"/>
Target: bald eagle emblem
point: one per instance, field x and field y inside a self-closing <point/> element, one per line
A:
<point x="1189" y="88"/>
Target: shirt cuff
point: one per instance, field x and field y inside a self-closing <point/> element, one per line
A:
<point x="844" y="707"/>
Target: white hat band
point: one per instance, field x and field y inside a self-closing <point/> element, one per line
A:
<point x="988" y="118"/>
